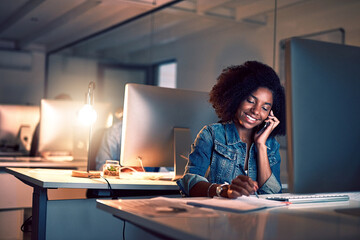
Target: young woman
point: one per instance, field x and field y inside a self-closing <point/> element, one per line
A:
<point x="238" y="156"/>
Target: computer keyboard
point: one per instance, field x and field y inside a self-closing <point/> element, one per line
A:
<point x="316" y="198"/>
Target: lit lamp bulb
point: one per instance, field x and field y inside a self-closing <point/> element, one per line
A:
<point x="87" y="115"/>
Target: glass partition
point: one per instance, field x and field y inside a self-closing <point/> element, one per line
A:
<point x="202" y="37"/>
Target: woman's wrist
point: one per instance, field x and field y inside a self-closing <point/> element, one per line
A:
<point x="219" y="190"/>
<point x="225" y="192"/>
<point x="260" y="146"/>
<point x="222" y="190"/>
<point x="210" y="190"/>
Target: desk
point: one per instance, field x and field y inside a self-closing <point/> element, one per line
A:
<point x="15" y="194"/>
<point x="319" y="221"/>
<point x="16" y="197"/>
<point x="43" y="179"/>
<point x="37" y="162"/>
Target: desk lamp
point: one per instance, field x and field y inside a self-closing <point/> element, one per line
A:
<point x="87" y="115"/>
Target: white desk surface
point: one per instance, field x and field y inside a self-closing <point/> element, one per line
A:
<point x="319" y="221"/>
<point x="35" y="162"/>
<point x="58" y="178"/>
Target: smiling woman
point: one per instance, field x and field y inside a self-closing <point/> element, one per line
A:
<point x="233" y="158"/>
<point x="255" y="109"/>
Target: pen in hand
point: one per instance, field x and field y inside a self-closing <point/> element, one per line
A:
<point x="247" y="174"/>
<point x="256" y="194"/>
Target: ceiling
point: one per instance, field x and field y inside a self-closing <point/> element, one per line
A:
<point x="53" y="24"/>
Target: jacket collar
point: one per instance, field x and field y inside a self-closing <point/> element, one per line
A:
<point x="231" y="133"/>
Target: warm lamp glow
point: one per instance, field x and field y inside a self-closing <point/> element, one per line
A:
<point x="109" y="120"/>
<point x="87" y="115"/>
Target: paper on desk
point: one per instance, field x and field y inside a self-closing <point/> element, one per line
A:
<point x="161" y="207"/>
<point x="242" y="204"/>
<point x="354" y="196"/>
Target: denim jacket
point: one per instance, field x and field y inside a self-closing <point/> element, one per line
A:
<point x="218" y="156"/>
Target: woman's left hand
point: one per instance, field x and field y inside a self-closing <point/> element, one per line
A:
<point x="260" y="138"/>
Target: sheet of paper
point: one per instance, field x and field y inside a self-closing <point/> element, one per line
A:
<point x="354" y="196"/>
<point x="160" y="207"/>
<point x="241" y="205"/>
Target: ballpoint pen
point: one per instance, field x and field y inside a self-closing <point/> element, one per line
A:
<point x="247" y="174"/>
<point x="256" y="194"/>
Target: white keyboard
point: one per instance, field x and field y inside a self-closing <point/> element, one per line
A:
<point x="316" y="198"/>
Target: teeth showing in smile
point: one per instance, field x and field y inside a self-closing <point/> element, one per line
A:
<point x="250" y="118"/>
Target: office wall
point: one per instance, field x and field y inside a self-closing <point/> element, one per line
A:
<point x="70" y="75"/>
<point x="23" y="86"/>
<point x="201" y="57"/>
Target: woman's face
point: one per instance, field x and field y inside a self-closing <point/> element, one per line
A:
<point x="255" y="108"/>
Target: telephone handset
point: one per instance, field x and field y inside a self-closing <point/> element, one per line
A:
<point x="262" y="127"/>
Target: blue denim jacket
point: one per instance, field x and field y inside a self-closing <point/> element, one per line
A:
<point x="110" y="145"/>
<point x="219" y="146"/>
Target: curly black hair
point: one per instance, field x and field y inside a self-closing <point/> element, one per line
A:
<point x="236" y="83"/>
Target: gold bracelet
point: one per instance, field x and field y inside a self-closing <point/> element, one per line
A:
<point x="208" y="191"/>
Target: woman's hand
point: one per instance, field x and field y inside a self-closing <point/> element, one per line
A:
<point x="242" y="185"/>
<point x="260" y="138"/>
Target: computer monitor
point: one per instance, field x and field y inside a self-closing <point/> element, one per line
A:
<point x="61" y="132"/>
<point x="17" y="124"/>
<point x="323" y="130"/>
<point x="159" y="125"/>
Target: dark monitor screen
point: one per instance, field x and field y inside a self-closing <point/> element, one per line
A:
<point x="323" y="130"/>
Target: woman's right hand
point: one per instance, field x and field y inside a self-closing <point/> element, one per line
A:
<point x="242" y="185"/>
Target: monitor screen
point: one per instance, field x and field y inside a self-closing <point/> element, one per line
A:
<point x="62" y="133"/>
<point x="151" y="114"/>
<point x="322" y="97"/>
<point x="17" y="124"/>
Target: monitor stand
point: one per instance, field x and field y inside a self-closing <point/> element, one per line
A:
<point x="24" y="138"/>
<point x="182" y="143"/>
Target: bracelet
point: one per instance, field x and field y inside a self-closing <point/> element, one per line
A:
<point x="208" y="190"/>
<point x="221" y="188"/>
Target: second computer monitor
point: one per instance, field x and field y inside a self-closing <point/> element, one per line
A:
<point x="323" y="130"/>
<point x="17" y="124"/>
<point x="150" y="116"/>
<point x="61" y="132"/>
